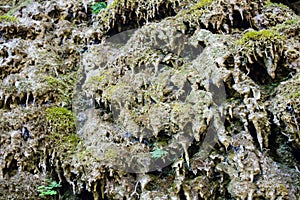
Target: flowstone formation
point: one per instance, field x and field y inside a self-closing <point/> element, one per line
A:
<point x="150" y="100"/>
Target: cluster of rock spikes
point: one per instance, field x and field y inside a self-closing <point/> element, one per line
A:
<point x="156" y="99"/>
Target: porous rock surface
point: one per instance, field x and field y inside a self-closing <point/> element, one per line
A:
<point x="102" y="94"/>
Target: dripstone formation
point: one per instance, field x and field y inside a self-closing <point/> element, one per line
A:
<point x="157" y="99"/>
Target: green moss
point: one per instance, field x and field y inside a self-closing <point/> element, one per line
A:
<point x="71" y="141"/>
<point x="269" y="4"/>
<point x="61" y="124"/>
<point x="262" y="35"/>
<point x="61" y="119"/>
<point x="20" y="4"/>
<point x="202" y="4"/>
<point x="291" y="21"/>
<point x="116" y="3"/>
<point x="83" y="154"/>
<point x="295" y="95"/>
<point x="193" y="13"/>
<point x="288" y="26"/>
<point x="55" y="83"/>
<point x="61" y="87"/>
<point x="8" y="18"/>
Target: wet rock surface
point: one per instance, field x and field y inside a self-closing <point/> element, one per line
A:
<point x="122" y="104"/>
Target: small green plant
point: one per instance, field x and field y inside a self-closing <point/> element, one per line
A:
<point x="98" y="6"/>
<point x="158" y="153"/>
<point x="50" y="189"/>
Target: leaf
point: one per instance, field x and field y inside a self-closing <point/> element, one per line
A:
<point x="158" y="153"/>
<point x="48" y="190"/>
<point x="54" y="184"/>
<point x="41" y="187"/>
<point x="51" y="192"/>
<point x="98" y="6"/>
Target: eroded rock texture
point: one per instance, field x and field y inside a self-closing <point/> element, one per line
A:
<point x="150" y="99"/>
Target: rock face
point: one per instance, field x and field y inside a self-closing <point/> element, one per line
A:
<point x="160" y="99"/>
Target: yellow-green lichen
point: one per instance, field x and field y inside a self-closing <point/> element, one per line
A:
<point x="263" y="35"/>
<point x="176" y="107"/>
<point x="8" y="18"/>
<point x="111" y="154"/>
<point x="113" y="89"/>
<point x="96" y="79"/>
<point x="99" y="79"/>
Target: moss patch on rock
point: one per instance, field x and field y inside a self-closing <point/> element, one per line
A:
<point x="60" y="119"/>
<point x="263" y="36"/>
<point x="8" y="18"/>
<point x="61" y="124"/>
<point x="264" y="46"/>
<point x="60" y="88"/>
<point x="271" y="4"/>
